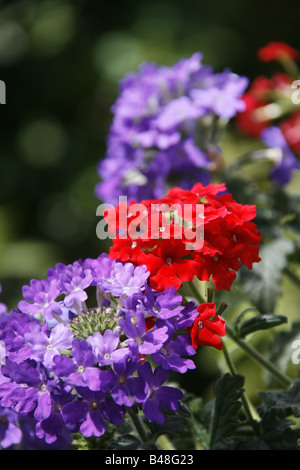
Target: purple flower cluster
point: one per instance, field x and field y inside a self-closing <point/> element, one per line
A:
<point x="69" y="367"/>
<point x="166" y="128"/>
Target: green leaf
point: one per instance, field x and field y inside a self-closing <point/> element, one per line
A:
<point x="261" y="322"/>
<point x="275" y="433"/>
<point x="275" y="430"/>
<point x="263" y="283"/>
<point x="286" y="402"/>
<point x="228" y="390"/>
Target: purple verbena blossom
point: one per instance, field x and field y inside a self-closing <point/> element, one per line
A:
<point x="162" y="128"/>
<point x="44" y="347"/>
<point x="71" y="362"/>
<point x="158" y="395"/>
<point x="147" y="342"/>
<point x="40" y="298"/>
<point x="91" y="412"/>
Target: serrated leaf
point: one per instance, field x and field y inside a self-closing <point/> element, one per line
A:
<point x="275" y="433"/>
<point x="286" y="402"/>
<point x="277" y="405"/>
<point x="228" y="390"/>
<point x="261" y="322"/>
<point x="263" y="283"/>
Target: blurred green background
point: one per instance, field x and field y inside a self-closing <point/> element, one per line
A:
<point x="61" y="62"/>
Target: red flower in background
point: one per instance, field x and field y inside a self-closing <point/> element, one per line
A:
<point x="291" y="131"/>
<point x="207" y="327"/>
<point x="264" y="100"/>
<point x="277" y="51"/>
<point x="260" y="107"/>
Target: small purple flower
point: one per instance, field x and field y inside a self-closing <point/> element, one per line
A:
<point x="105" y="347"/>
<point x="100" y="267"/>
<point x="91" y="412"/>
<point x="45" y="347"/>
<point x="13" y="327"/>
<point x="177" y="112"/>
<point x="147" y="342"/>
<point x="164" y="305"/>
<point x="282" y="173"/>
<point x="182" y="320"/>
<point x="40" y="298"/>
<point x="127" y="384"/>
<point x="172" y="355"/>
<point x="53" y="427"/>
<point x="223" y="97"/>
<point x="29" y="390"/>
<point x="74" y="281"/>
<point x="158" y="395"/>
<point x="76" y="369"/>
<point x="55" y="273"/>
<point x="125" y="279"/>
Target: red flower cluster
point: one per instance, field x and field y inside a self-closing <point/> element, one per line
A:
<point x="277" y="51"/>
<point x="172" y="250"/>
<point x="260" y="103"/>
<point x="266" y="96"/>
<point x="207" y="327"/>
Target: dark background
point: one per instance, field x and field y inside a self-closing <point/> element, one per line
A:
<point x="61" y="62"/>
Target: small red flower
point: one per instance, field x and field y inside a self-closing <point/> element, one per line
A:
<point x="221" y="268"/>
<point x="168" y="265"/>
<point x="207" y="327"/>
<point x="126" y="249"/>
<point x="276" y="51"/>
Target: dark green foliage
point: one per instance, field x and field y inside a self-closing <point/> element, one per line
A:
<point x="224" y="421"/>
<point x="261" y="322"/>
<point x="263" y="283"/>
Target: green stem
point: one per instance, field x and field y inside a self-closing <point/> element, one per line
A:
<point x="257" y="357"/>
<point x="164" y="443"/>
<point x="292" y="276"/>
<point x="244" y="398"/>
<point x="138" y="425"/>
<point x="196" y="293"/>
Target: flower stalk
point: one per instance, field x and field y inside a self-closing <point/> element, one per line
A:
<point x="258" y="358"/>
